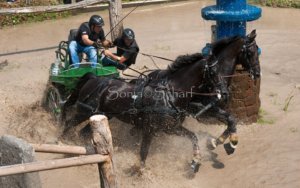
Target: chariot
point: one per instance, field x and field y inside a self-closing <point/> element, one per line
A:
<point x="63" y="77"/>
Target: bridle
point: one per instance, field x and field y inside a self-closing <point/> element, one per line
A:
<point x="246" y="54"/>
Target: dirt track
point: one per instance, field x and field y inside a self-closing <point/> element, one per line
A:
<point x="268" y="155"/>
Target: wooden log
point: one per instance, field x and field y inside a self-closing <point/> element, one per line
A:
<point x="64" y="149"/>
<point x="102" y="141"/>
<point x="115" y="15"/>
<point x="52" y="164"/>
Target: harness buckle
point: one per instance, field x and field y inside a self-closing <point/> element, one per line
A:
<point x="134" y="97"/>
<point x="132" y="111"/>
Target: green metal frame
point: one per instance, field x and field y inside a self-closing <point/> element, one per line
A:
<point x="64" y="77"/>
<point x="68" y="77"/>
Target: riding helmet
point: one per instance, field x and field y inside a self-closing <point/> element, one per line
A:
<point x="128" y="33"/>
<point x="96" y="20"/>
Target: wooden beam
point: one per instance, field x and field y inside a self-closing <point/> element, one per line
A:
<point x="52" y="164"/>
<point x="52" y="8"/>
<point x="64" y="149"/>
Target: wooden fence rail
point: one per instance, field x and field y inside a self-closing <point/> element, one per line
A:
<point x="63" y="149"/>
<point x="52" y="164"/>
<point x="52" y="8"/>
<point x="103" y="147"/>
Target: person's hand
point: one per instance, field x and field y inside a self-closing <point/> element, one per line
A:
<point x="107" y="44"/>
<point x="97" y="45"/>
<point x="105" y="52"/>
<point x="121" y="66"/>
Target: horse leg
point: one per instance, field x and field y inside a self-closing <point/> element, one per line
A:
<point x="144" y="150"/>
<point x="145" y="146"/>
<point x="72" y="123"/>
<point x="230" y="132"/>
<point x="146" y="141"/>
<point x="181" y="131"/>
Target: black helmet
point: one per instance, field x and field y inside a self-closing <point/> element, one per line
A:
<point x="96" y="20"/>
<point x="128" y="33"/>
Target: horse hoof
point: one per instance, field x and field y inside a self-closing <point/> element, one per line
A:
<point x="137" y="170"/>
<point x="195" y="166"/>
<point x="212" y="144"/>
<point x="229" y="148"/>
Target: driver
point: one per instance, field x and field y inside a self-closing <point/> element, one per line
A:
<point x="90" y="36"/>
<point x="127" y="50"/>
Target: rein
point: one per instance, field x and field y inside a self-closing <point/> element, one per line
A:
<point x="192" y="93"/>
<point x="235" y="75"/>
<point x="141" y="73"/>
<point x="124" y="18"/>
<point x="149" y="55"/>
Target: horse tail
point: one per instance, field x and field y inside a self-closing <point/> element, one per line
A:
<point x="75" y="94"/>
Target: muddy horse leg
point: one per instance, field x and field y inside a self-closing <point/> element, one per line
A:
<point x="181" y="131"/>
<point x="146" y="142"/>
<point x="230" y="132"/>
<point x="73" y="122"/>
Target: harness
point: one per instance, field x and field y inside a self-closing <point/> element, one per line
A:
<point x="246" y="53"/>
<point x="101" y="85"/>
<point x="209" y="79"/>
<point x="161" y="92"/>
<point x="164" y="101"/>
<point x="136" y="105"/>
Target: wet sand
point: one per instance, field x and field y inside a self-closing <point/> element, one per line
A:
<point x="268" y="155"/>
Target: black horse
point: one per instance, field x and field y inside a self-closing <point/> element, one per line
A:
<point x="150" y="105"/>
<point x="159" y="102"/>
<point x="225" y="55"/>
<point x="228" y="53"/>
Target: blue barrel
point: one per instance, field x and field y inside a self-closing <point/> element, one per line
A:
<point x="231" y="17"/>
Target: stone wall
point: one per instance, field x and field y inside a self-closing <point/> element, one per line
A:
<point x="16" y="151"/>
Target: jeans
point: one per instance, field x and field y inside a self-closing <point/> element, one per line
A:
<point x="109" y="62"/>
<point x="90" y="51"/>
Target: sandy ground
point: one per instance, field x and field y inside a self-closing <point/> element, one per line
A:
<point x="268" y="154"/>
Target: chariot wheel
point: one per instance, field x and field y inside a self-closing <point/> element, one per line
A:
<point x="53" y="103"/>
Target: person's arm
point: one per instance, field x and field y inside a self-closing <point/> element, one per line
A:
<point x="121" y="59"/>
<point x="127" y="54"/>
<point x="103" y="41"/>
<point x="86" y="40"/>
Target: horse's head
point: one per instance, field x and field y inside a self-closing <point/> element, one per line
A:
<point x="229" y="52"/>
<point x="237" y="50"/>
<point x="249" y="56"/>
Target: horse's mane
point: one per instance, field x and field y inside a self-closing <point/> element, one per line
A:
<point x="184" y="60"/>
<point x="218" y="46"/>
